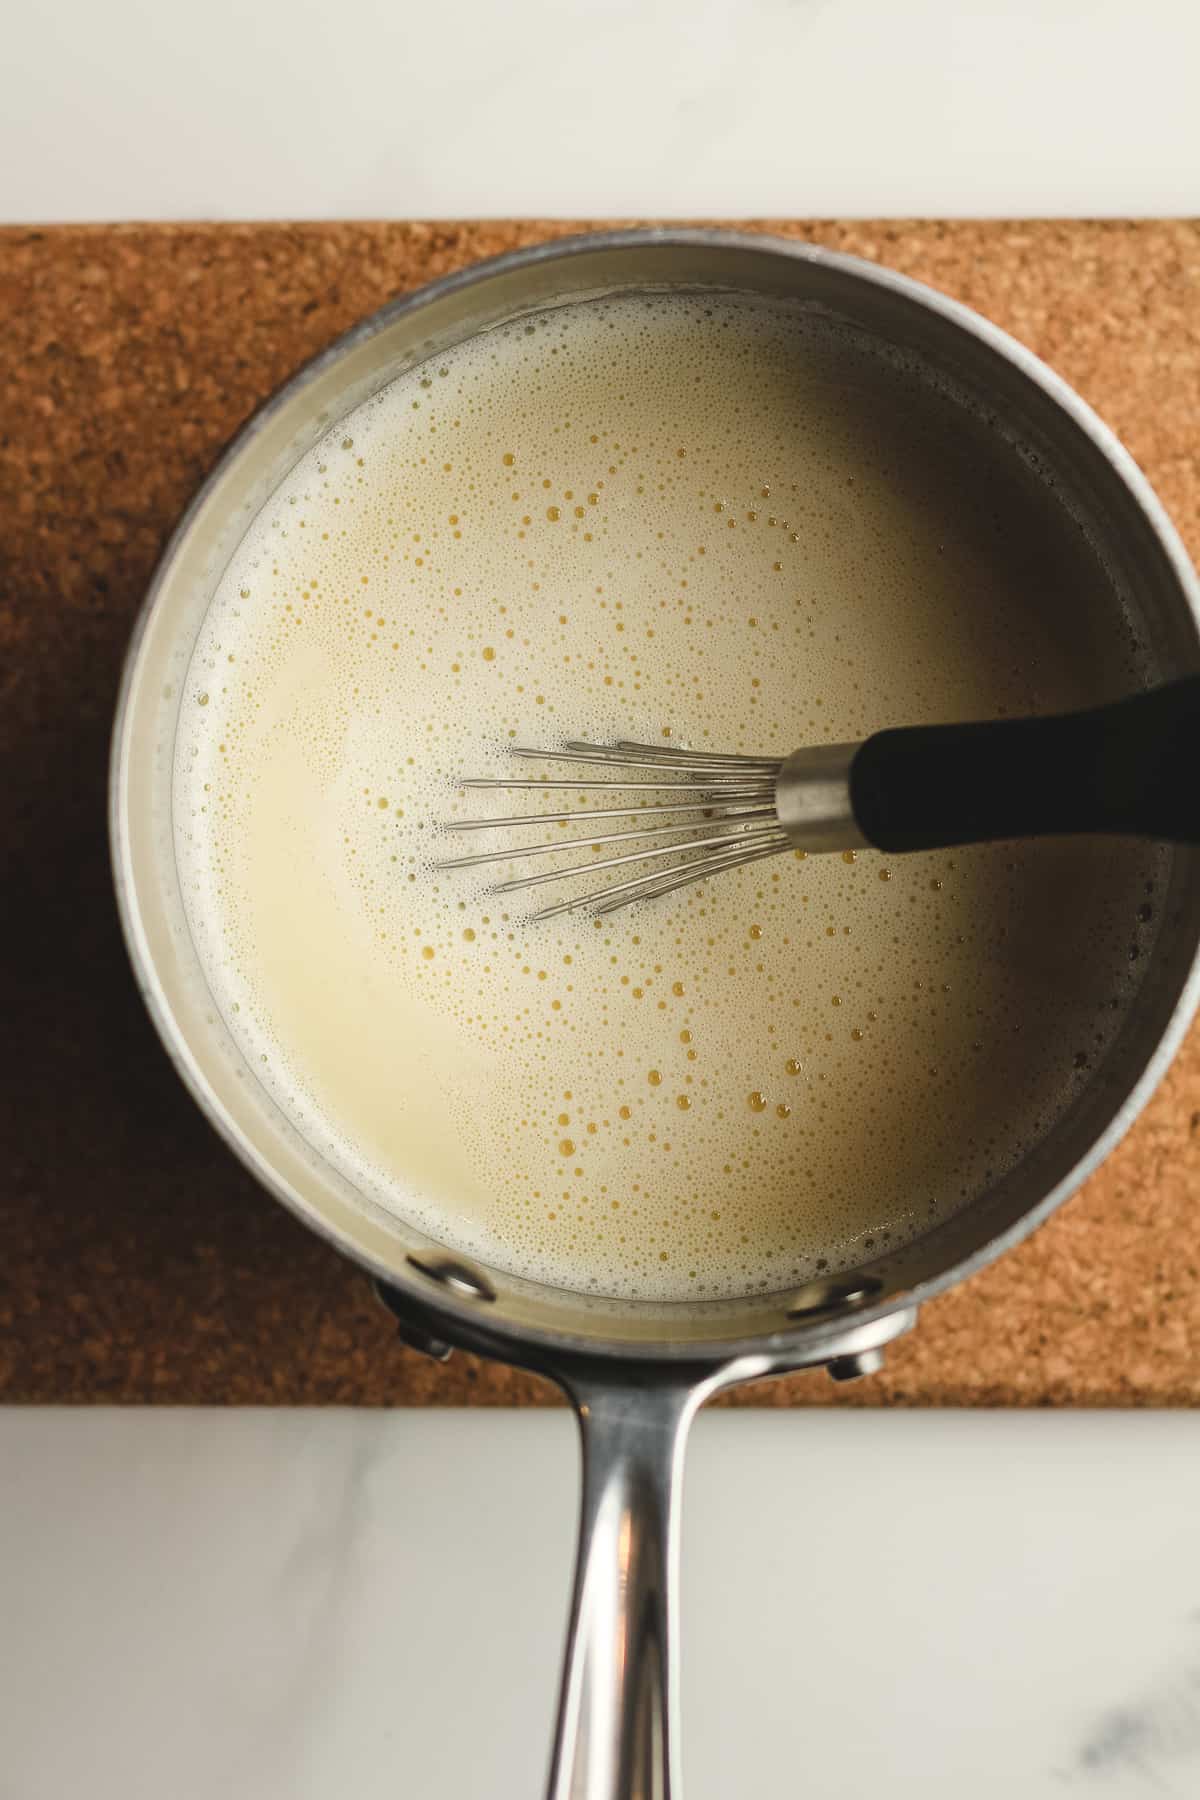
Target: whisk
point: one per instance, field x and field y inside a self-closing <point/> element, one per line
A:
<point x="1131" y="767"/>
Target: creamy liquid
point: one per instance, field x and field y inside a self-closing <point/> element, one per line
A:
<point x="674" y="519"/>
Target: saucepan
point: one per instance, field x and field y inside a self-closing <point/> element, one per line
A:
<point x="636" y="1372"/>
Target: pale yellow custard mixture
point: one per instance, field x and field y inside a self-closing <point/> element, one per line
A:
<point x="689" y="519"/>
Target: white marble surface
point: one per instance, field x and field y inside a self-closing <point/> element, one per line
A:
<point x="299" y="1605"/>
<point x="389" y="108"/>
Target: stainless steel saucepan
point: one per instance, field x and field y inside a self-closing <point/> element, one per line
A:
<point x="637" y="1372"/>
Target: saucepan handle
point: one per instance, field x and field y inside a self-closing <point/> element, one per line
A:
<point x="617" y="1736"/>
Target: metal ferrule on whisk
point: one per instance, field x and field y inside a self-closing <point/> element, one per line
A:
<point x="812" y="799"/>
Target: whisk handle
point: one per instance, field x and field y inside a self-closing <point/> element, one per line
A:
<point x="1132" y="767"/>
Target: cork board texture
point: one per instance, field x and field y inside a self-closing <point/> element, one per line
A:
<point x="139" y="1262"/>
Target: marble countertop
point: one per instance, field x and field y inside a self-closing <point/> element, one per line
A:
<point x="296" y="1605"/>
<point x="555" y="108"/>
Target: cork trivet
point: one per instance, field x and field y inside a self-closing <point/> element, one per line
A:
<point x="139" y="1262"/>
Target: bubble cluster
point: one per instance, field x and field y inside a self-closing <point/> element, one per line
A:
<point x="688" y="517"/>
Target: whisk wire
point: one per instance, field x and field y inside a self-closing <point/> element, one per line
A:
<point x="613" y="812"/>
<point x="724" y="840"/>
<point x="649" y="887"/>
<point x="605" y="837"/>
<point x="733" y="795"/>
<point x="642" y="756"/>
<point x="641" y="787"/>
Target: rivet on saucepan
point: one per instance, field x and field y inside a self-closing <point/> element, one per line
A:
<point x="467" y="1282"/>
<point x="407" y="1330"/>
<point x="831" y="1292"/>
<point x="852" y="1368"/>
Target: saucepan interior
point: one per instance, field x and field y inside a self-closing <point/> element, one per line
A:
<point x="1153" y="595"/>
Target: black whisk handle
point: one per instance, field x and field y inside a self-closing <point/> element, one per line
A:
<point x="1132" y="767"/>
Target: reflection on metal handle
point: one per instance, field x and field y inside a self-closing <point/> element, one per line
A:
<point x="617" y="1735"/>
